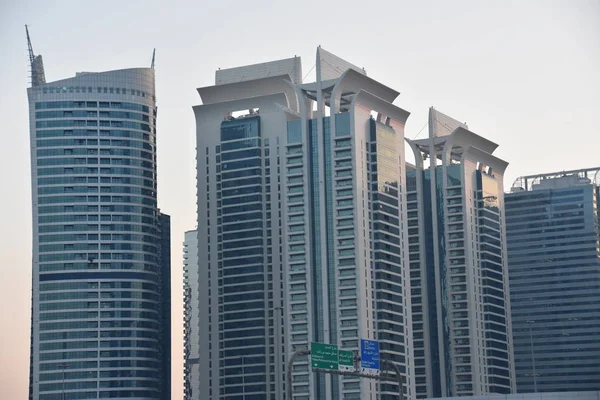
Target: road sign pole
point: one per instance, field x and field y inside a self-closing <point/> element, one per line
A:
<point x="398" y="375"/>
<point x="289" y="389"/>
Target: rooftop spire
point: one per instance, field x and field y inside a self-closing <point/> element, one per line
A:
<point x="31" y="55"/>
<point x="37" y="64"/>
<point x="153" y="56"/>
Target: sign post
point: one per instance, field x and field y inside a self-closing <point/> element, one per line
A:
<point x="369" y="357"/>
<point x="346" y="360"/>
<point x="324" y="356"/>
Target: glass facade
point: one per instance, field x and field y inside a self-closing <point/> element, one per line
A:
<point x="191" y="373"/>
<point x="303" y="267"/>
<point x="164" y="226"/>
<point x="423" y="299"/>
<point x="234" y="311"/>
<point x="101" y="286"/>
<point x="385" y="187"/>
<point x="245" y="264"/>
<point x="336" y="242"/>
<point x="554" y="262"/>
<point x="330" y="220"/>
<point x="467" y="226"/>
<point x="318" y="264"/>
<point x="493" y="282"/>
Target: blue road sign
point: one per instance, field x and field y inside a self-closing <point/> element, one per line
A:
<point x="369" y="356"/>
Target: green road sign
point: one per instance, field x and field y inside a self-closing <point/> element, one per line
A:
<point x="346" y="359"/>
<point x="324" y="356"/>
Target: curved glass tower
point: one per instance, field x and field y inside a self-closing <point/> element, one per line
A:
<point x="100" y="307"/>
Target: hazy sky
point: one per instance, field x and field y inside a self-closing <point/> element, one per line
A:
<point x="524" y="74"/>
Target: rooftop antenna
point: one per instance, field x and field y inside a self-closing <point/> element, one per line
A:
<point x="153" y="57"/>
<point x="37" y="65"/>
<point x="29" y="46"/>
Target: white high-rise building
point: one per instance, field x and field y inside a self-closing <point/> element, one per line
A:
<point x="301" y="229"/>
<point x="458" y="264"/>
<point x="191" y="318"/>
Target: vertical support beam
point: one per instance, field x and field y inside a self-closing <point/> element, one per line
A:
<point x="436" y="248"/>
<point x="324" y="272"/>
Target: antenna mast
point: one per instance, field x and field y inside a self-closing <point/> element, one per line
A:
<point x="38" y="76"/>
<point x="29" y="46"/>
<point x="153" y="56"/>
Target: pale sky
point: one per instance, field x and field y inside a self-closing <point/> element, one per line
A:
<point x="525" y="74"/>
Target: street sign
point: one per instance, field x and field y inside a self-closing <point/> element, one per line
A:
<point x="346" y="360"/>
<point x="324" y="356"/>
<point x="369" y="356"/>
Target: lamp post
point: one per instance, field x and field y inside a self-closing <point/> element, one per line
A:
<point x="531" y="322"/>
<point x="63" y="366"/>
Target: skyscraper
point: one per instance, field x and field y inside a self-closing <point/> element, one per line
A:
<point x="301" y="228"/>
<point x="101" y="255"/>
<point x="458" y="270"/>
<point x="552" y="224"/>
<point x="191" y="317"/>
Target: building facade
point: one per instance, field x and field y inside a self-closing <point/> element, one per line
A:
<point x="590" y="395"/>
<point x="552" y="224"/>
<point x="191" y="323"/>
<point x="301" y="228"/>
<point x="458" y="269"/>
<point x="101" y="248"/>
<point x="164" y="227"/>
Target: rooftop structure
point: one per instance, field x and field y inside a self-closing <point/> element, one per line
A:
<point x="556" y="180"/>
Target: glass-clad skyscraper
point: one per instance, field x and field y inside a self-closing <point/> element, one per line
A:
<point x="301" y="229"/>
<point x="101" y="248"/>
<point x="458" y="270"/>
<point x="552" y="223"/>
